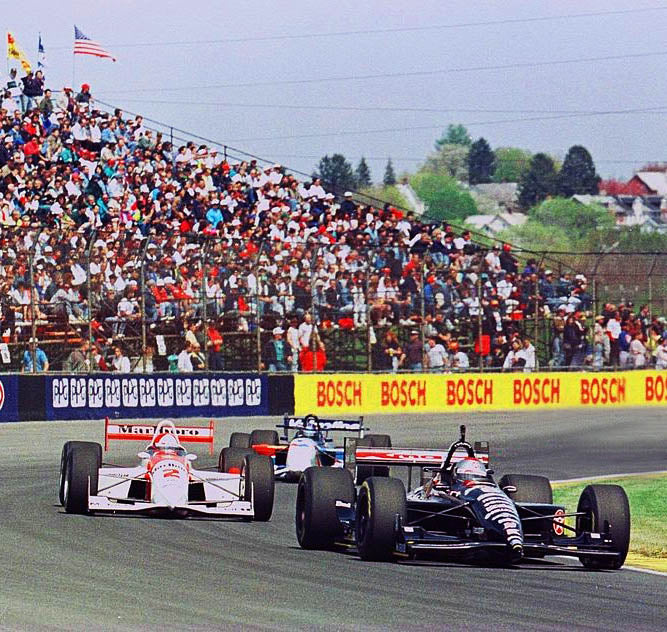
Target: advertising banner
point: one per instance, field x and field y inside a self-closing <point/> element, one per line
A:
<point x="155" y="396"/>
<point x="9" y="398"/>
<point x="464" y="392"/>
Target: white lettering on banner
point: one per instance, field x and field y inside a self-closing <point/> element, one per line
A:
<point x="112" y="393"/>
<point x="219" y="392"/>
<point x="77" y="389"/>
<point x="2" y="395"/>
<point x="200" y="392"/>
<point x="130" y="392"/>
<point x="96" y="392"/>
<point x="60" y="392"/>
<point x="235" y="390"/>
<point x="184" y="392"/>
<point x="253" y="391"/>
<point x="147" y="393"/>
<point x="165" y="392"/>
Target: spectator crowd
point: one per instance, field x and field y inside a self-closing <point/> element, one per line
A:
<point x="122" y="251"/>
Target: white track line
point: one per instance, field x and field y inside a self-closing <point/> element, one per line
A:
<point x="604" y="476"/>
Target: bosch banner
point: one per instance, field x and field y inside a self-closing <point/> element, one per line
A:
<point x="154" y="396"/>
<point x="9" y="398"/>
<point x="395" y="393"/>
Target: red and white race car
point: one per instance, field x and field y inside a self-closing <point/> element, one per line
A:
<point x="165" y="481"/>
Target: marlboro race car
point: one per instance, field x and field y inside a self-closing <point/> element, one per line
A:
<point x="309" y="446"/>
<point x="164" y="483"/>
<point x="457" y="509"/>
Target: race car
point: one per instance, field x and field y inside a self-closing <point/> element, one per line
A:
<point x="164" y="483"/>
<point x="458" y="510"/>
<point x="309" y="446"/>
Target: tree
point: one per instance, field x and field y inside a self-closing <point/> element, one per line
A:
<point x="363" y="174"/>
<point x="537" y="237"/>
<point x="577" y="220"/>
<point x="452" y="159"/>
<point x="336" y="173"/>
<point x="577" y="175"/>
<point x="510" y="164"/>
<point x="454" y="135"/>
<point x="389" y="175"/>
<point x="539" y="182"/>
<point x="443" y="196"/>
<point x="481" y="162"/>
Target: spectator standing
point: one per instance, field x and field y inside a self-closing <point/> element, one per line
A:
<point x="414" y="352"/>
<point x="460" y="359"/>
<point x="515" y="359"/>
<point x="293" y="342"/>
<point x="436" y="355"/>
<point x="276" y="352"/>
<point x="661" y="354"/>
<point x="637" y="352"/>
<point x="614" y="331"/>
<point x="529" y="355"/>
<point x="184" y="359"/>
<point x="197" y="357"/>
<point x="41" y="362"/>
<point x="120" y="362"/>
<point x="216" y="359"/>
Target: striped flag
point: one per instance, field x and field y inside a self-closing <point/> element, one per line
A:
<point x="14" y="52"/>
<point x="41" y="54"/>
<point x="83" y="45"/>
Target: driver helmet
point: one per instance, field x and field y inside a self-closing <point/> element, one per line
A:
<point x="310" y="427"/>
<point x="166" y="441"/>
<point x="470" y="469"/>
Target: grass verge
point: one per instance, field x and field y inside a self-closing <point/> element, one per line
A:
<point x="648" y="512"/>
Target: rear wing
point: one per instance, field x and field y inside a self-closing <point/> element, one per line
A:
<point x="145" y="432"/>
<point x="291" y="422"/>
<point x="361" y="455"/>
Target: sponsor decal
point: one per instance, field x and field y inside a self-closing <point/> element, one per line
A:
<point x="130" y="392"/>
<point x="338" y="393"/>
<point x="655" y="388"/>
<point x="559" y="521"/>
<point x="403" y="393"/>
<point x="2" y="395"/>
<point x="536" y="390"/>
<point x="500" y="509"/>
<point x="603" y="390"/>
<point x="471" y="391"/>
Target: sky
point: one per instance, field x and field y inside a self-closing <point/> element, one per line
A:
<point x="293" y="81"/>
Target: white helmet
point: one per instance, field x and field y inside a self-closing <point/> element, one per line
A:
<point x="470" y="469"/>
<point x="167" y="441"/>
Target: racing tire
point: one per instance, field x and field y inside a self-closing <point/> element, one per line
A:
<point x="316" y="520"/>
<point x="231" y="459"/>
<point x="268" y="437"/>
<point x="81" y="476"/>
<point x="63" y="464"/>
<point x="260" y="485"/>
<point x="379" y="501"/>
<point x="366" y="471"/>
<point x="529" y="488"/>
<point x="239" y="440"/>
<point x="605" y="507"/>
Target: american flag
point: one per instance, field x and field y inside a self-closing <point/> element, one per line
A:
<point x="83" y="45"/>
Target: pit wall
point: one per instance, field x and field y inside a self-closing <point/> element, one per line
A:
<point x="441" y="393"/>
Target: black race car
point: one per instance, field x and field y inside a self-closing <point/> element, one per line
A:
<point x="457" y="509"/>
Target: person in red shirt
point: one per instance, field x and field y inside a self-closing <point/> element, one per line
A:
<point x="216" y="360"/>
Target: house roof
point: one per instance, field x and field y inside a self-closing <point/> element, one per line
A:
<point x="654" y="180"/>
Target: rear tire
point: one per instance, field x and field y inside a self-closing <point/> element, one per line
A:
<point x="239" y="440"/>
<point x="231" y="459"/>
<point x="259" y="485"/>
<point x="606" y="507"/>
<point x="81" y="476"/>
<point x="529" y="488"/>
<point x="316" y="520"/>
<point x="63" y="464"/>
<point x="380" y="499"/>
<point x="268" y="437"/>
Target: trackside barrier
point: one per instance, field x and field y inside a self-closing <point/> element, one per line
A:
<point x="440" y="393"/>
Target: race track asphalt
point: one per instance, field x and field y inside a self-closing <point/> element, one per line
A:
<point x="62" y="571"/>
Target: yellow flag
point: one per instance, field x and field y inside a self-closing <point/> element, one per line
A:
<point x="14" y="52"/>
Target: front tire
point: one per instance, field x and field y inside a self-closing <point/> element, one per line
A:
<point x="259" y="485"/>
<point x="380" y="501"/>
<point x="81" y="476"/>
<point x="606" y="507"/>
<point x="316" y="520"/>
<point x="63" y="464"/>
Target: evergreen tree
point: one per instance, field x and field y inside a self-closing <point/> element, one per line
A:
<point x="389" y="175"/>
<point x="363" y="175"/>
<point x="454" y="135"/>
<point x="577" y="174"/>
<point x="481" y="162"/>
<point x="539" y="182"/>
<point x="510" y="164"/>
<point x="336" y="173"/>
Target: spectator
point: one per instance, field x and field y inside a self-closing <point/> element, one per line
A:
<point x="614" y="331"/>
<point x="120" y="362"/>
<point x="661" y="355"/>
<point x="216" y="358"/>
<point x="78" y="360"/>
<point x="197" y="357"/>
<point x="34" y="358"/>
<point x="637" y="351"/>
<point x="460" y="359"/>
<point x="515" y="359"/>
<point x="436" y="356"/>
<point x="184" y="362"/>
<point x="276" y="352"/>
<point x="414" y="352"/>
<point x="293" y="343"/>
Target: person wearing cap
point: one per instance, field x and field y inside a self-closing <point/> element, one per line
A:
<point x="414" y="352"/>
<point x="34" y="358"/>
<point x="601" y="345"/>
<point x="276" y="355"/>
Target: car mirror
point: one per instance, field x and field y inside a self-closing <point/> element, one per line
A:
<point x="191" y="457"/>
<point x="144" y="455"/>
